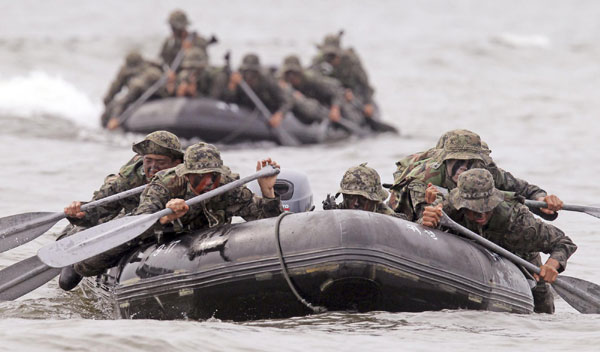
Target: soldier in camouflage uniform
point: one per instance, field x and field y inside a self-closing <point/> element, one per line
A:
<point x="196" y="78"/>
<point x="504" y="220"/>
<point x="361" y="189"/>
<point x="201" y="171"/>
<point x="462" y="151"/>
<point x="345" y="66"/>
<point x="180" y="38"/>
<point x="128" y="77"/>
<point x="263" y="84"/>
<point x="315" y="97"/>
<point x="158" y="151"/>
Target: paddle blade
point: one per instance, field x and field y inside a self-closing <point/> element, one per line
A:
<point x="592" y="211"/>
<point x="19" y="229"/>
<point x="93" y="241"/>
<point x="582" y="295"/>
<point x="24" y="277"/>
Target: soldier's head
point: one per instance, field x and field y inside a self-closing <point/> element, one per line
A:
<point x="361" y="188"/>
<point x="160" y="150"/>
<point x="203" y="167"/>
<point x="194" y="59"/>
<point x="476" y="195"/>
<point x="133" y="59"/>
<point x="292" y="70"/>
<point x="250" y="68"/>
<point x="331" y="48"/>
<point x="178" y="21"/>
<point x="461" y="151"/>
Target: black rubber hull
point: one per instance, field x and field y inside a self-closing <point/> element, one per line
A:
<point x="339" y="259"/>
<point x="216" y="122"/>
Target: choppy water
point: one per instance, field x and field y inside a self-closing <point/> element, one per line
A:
<point x="524" y="75"/>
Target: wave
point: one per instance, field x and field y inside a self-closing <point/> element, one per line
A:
<point x="521" y="41"/>
<point x="39" y="94"/>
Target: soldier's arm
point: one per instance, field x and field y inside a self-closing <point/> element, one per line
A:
<point x="116" y="85"/>
<point x="283" y="100"/>
<point x="528" y="234"/>
<point x="242" y="202"/>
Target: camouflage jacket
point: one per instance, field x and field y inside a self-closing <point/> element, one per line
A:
<point x="349" y="72"/>
<point x="138" y="85"/>
<point x="204" y="81"/>
<point x="122" y="80"/>
<point x="166" y="185"/>
<point x="171" y="46"/>
<point x="410" y="189"/>
<point x="325" y="90"/>
<point x="131" y="175"/>
<point x="267" y="90"/>
<point x="513" y="227"/>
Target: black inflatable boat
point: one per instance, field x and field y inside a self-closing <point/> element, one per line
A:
<point x="336" y="259"/>
<point x="214" y="121"/>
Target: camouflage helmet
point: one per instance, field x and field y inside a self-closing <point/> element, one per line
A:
<point x="201" y="158"/>
<point x="250" y="62"/>
<point x="291" y="63"/>
<point x="133" y="58"/>
<point x="161" y="143"/>
<point x="475" y="192"/>
<point x="461" y="145"/>
<point x="331" y="44"/>
<point x="178" y="20"/>
<point x="194" y="58"/>
<point x="363" y="181"/>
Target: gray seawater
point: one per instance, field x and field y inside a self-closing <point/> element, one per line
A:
<point x="524" y="75"/>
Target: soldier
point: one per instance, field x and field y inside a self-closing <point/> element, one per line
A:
<point x="265" y="87"/>
<point x="181" y="38"/>
<point x="315" y="97"/>
<point x="135" y="66"/>
<point x="479" y="206"/>
<point x="195" y="78"/>
<point x="361" y="189"/>
<point x="345" y="66"/>
<point x="158" y="151"/>
<point x="462" y="151"/>
<point x="201" y="171"/>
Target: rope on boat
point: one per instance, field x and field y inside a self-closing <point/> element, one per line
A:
<point x="315" y="309"/>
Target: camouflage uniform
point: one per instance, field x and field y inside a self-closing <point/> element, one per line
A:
<point x="130" y="176"/>
<point x="172" y="45"/>
<point x="319" y="94"/>
<point x="349" y="71"/>
<point x="172" y="183"/>
<point x="195" y="71"/>
<point x="364" y="181"/>
<point x="462" y="145"/>
<point x="511" y="226"/>
<point x="267" y="89"/>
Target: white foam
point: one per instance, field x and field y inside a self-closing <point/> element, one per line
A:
<point x="38" y="93"/>
<point x="522" y="41"/>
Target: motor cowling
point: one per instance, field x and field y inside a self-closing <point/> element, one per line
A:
<point x="293" y="189"/>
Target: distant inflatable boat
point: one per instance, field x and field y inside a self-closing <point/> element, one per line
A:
<point x="343" y="260"/>
<point x="214" y="121"/>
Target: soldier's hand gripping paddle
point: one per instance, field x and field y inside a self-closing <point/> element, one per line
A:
<point x="19" y="229"/>
<point x="582" y="295"/>
<point x="31" y="273"/>
<point x="580" y="208"/>
<point x="283" y="137"/>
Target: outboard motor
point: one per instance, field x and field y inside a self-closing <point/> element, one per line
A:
<point x="293" y="188"/>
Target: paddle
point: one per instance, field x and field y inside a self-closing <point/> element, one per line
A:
<point x="283" y="137"/>
<point x="29" y="274"/>
<point x="580" y="208"/>
<point x="582" y="295"/>
<point x="19" y="229"/>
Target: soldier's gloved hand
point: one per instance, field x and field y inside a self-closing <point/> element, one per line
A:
<point x="73" y="210"/>
<point x="431" y="193"/>
<point x="334" y="113"/>
<point x="113" y="123"/>
<point x="276" y="119"/>
<point x="179" y="209"/>
<point x="554" y="204"/>
<point x="548" y="271"/>
<point x="369" y="109"/>
<point x="432" y="215"/>
<point x="234" y="79"/>
<point x="267" y="183"/>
